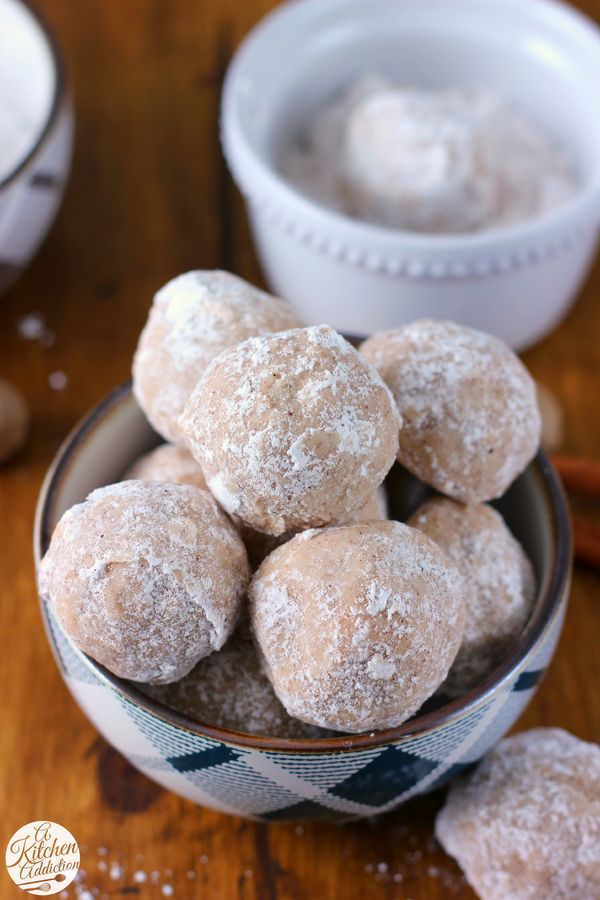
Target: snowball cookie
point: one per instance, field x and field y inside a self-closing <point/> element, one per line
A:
<point x="146" y="578"/>
<point x="259" y="545"/>
<point x="292" y="430"/>
<point x="500" y="582"/>
<point x="193" y="318"/>
<point x="230" y="690"/>
<point x="359" y="624"/>
<point x="526" y="824"/>
<point x="170" y="464"/>
<point x="14" y="420"/>
<point x="469" y="406"/>
<point x="410" y="160"/>
<point x="375" y="508"/>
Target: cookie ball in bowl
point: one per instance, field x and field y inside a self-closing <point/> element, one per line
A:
<point x="375" y="508"/>
<point x="193" y="318"/>
<point x="500" y="584"/>
<point x="230" y="690"/>
<point x="168" y="463"/>
<point x="469" y="407"/>
<point x="259" y="545"/>
<point x="146" y="578"/>
<point x="14" y="420"/>
<point x="292" y="430"/>
<point x="357" y="625"/>
<point x="526" y="823"/>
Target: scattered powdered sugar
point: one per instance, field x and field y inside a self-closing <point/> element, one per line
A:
<point x="116" y="872"/>
<point x="193" y="318"/>
<point x="82" y="890"/>
<point x="58" y="381"/>
<point x="470" y="417"/>
<point x="500" y="580"/>
<point x="526" y="823"/>
<point x="427" y="160"/>
<point x="33" y="327"/>
<point x="292" y="430"/>
<point x="382" y="580"/>
<point x="176" y="557"/>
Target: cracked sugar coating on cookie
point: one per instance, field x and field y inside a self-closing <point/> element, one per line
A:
<point x="230" y="690"/>
<point x="146" y="578"/>
<point x="500" y="584"/>
<point x="168" y="463"/>
<point x="359" y="624"/>
<point x="193" y="318"/>
<point x="292" y="430"/>
<point x="526" y="824"/>
<point x="471" y="422"/>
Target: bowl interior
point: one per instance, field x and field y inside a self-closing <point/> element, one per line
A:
<point x="115" y="433"/>
<point x="28" y="81"/>
<point x="541" y="56"/>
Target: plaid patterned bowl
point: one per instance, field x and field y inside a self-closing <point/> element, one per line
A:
<point x="330" y="778"/>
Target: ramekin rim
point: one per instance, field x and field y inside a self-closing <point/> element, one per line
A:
<point x="58" y="95"/>
<point x="554" y="599"/>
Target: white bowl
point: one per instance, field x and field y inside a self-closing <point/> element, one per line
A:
<point x="36" y="132"/>
<point x="517" y="282"/>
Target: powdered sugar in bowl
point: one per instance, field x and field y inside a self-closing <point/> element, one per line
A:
<point x="513" y="271"/>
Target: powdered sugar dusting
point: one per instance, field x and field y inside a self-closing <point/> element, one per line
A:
<point x="500" y="580"/>
<point x="427" y="160"/>
<point x="471" y="420"/>
<point x="146" y="577"/>
<point x="193" y="318"/>
<point x="167" y="463"/>
<point x="230" y="690"/>
<point x="526" y="823"/>
<point x="292" y="430"/>
<point x="357" y="624"/>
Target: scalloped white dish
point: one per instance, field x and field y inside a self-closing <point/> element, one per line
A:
<point x="517" y="282"/>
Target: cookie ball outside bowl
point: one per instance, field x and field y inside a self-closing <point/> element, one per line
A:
<point x="344" y="777"/>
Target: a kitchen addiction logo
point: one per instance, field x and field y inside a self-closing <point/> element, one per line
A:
<point x="42" y="858"/>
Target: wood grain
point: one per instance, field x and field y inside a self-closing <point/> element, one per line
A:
<point x="150" y="197"/>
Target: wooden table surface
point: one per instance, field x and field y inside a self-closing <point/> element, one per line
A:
<point x="150" y="197"/>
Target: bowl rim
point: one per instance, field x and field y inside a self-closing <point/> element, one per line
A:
<point x="554" y="599"/>
<point x="303" y="217"/>
<point x="60" y="84"/>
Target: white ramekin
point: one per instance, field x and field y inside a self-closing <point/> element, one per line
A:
<point x="34" y="171"/>
<point x="517" y="282"/>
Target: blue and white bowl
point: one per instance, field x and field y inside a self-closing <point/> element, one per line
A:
<point x="36" y="135"/>
<point x="347" y="777"/>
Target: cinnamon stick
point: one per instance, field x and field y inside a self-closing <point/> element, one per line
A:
<point x="579" y="475"/>
<point x="586" y="540"/>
